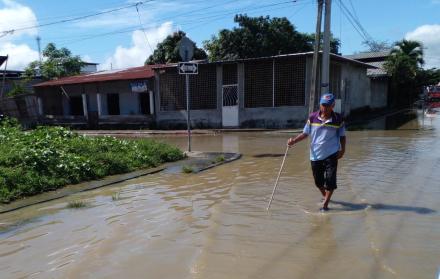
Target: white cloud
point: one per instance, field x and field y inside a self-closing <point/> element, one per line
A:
<point x="19" y="55"/>
<point x="429" y="35"/>
<point x="15" y="16"/>
<point x="138" y="52"/>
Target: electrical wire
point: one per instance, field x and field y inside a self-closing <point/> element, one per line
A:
<point x="6" y="32"/>
<point x="142" y="28"/>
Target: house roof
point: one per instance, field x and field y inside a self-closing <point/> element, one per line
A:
<point x="334" y="56"/>
<point x="142" y="72"/>
<point x="379" y="71"/>
<point x="376" y="59"/>
<point x="369" y="55"/>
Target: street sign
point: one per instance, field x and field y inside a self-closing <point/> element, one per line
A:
<point x="186" y="49"/>
<point x="188" y="68"/>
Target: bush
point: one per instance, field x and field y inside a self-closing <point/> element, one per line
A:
<point x="48" y="158"/>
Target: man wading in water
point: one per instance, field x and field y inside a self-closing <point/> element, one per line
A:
<point x="327" y="131"/>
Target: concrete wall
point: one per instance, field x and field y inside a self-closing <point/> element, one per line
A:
<point x="129" y="103"/>
<point x="272" y="118"/>
<point x="356" y="88"/>
<point x="199" y="119"/>
<point x="379" y="93"/>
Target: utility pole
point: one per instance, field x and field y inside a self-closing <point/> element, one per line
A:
<point x="325" y="77"/>
<point x="313" y="87"/>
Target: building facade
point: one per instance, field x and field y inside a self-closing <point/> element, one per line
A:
<point x="266" y="92"/>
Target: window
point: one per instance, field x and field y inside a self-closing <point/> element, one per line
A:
<point x="258" y="84"/>
<point x="144" y="103"/>
<point x="113" y="104"/>
<point x="290" y="75"/>
<point x="76" y="105"/>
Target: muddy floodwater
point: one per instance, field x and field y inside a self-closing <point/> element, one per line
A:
<point x="384" y="220"/>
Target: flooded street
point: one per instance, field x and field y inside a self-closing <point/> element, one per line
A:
<point x="384" y="220"/>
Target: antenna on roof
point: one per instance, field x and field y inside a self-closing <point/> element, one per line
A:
<point x="39" y="47"/>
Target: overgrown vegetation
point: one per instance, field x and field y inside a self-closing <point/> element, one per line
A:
<point x="48" y="158"/>
<point x="77" y="204"/>
<point x="116" y="196"/>
<point x="218" y="159"/>
<point x="187" y="169"/>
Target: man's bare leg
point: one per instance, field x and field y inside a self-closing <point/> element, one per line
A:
<point x="322" y="190"/>
<point x="328" y="195"/>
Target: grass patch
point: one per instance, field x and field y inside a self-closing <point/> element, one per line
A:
<point x="77" y="204"/>
<point x="187" y="169"/>
<point x="218" y="159"/>
<point x="47" y="158"/>
<point x="116" y="196"/>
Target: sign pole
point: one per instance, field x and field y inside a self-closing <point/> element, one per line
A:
<point x="188" y="123"/>
<point x="186" y="52"/>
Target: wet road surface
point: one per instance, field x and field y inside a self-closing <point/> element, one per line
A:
<point x="384" y="221"/>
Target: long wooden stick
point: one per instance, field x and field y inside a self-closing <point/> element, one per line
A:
<point x="279" y="173"/>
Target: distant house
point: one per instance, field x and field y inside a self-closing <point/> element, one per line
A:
<point x="379" y="78"/>
<point x="88" y="68"/>
<point x="109" y="97"/>
<point x="264" y="92"/>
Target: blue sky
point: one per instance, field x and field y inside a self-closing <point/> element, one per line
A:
<point x="115" y="39"/>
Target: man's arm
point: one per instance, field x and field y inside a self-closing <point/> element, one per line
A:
<point x="341" y="152"/>
<point x="298" y="138"/>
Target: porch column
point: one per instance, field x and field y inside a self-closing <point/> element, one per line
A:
<point x="40" y="106"/>
<point x="84" y="99"/>
<point x="98" y="101"/>
<point x="151" y="102"/>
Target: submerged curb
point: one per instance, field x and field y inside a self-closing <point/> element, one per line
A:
<point x="200" y="160"/>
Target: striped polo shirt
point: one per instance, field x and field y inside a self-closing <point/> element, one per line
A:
<point x="324" y="135"/>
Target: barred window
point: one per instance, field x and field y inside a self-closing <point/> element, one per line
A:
<point x="172" y="90"/>
<point x="258" y="84"/>
<point x="229" y="74"/>
<point x="290" y="74"/>
<point x="202" y="87"/>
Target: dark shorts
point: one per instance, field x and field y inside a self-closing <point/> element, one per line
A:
<point x="324" y="172"/>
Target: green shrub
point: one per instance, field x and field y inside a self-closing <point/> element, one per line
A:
<point x="48" y="158"/>
<point x="187" y="169"/>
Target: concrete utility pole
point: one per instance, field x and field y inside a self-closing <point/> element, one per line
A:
<point x="313" y="87"/>
<point x="325" y="77"/>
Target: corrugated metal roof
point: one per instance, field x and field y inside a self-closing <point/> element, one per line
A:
<point x="124" y="74"/>
<point x="334" y="56"/>
<point x="379" y="71"/>
<point x="367" y="55"/>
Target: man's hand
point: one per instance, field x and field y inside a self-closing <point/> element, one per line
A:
<point x="290" y="142"/>
<point x="341" y="153"/>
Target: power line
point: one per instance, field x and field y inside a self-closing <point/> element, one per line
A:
<point x="6" y="32"/>
<point x="355" y="22"/>
<point x="142" y="28"/>
<point x="197" y="20"/>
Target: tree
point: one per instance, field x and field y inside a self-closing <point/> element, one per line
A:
<point x="168" y="50"/>
<point x="376" y="46"/>
<point x="259" y="37"/>
<point x="403" y="64"/>
<point x="56" y="63"/>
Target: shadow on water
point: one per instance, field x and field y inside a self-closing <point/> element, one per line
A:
<point x="394" y="121"/>
<point x="348" y="206"/>
<point x="267" y="155"/>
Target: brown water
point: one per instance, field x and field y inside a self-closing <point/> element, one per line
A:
<point x="384" y="222"/>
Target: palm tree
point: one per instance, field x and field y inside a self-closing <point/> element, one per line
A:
<point x="403" y="64"/>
